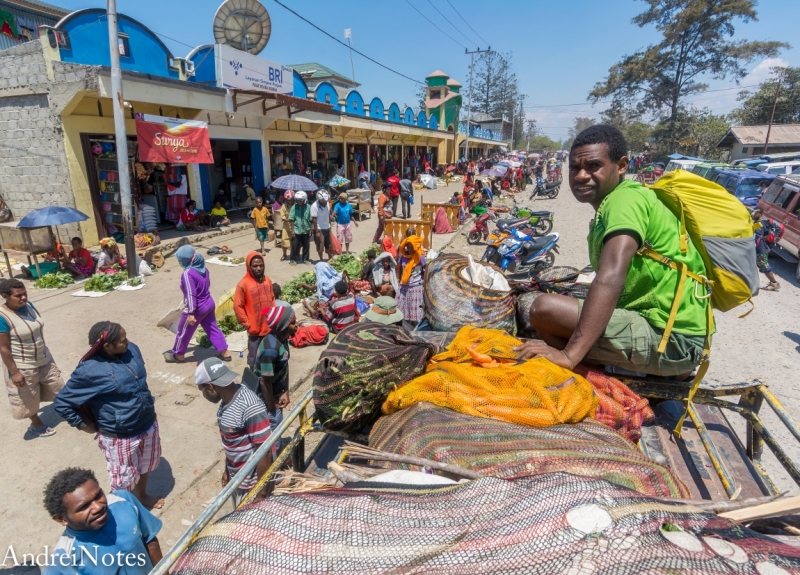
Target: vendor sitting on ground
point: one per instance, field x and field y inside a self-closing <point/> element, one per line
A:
<point x="384" y="276"/>
<point x="79" y="261"/>
<point x="342" y="310"/>
<point x="219" y="215"/>
<point x="109" y="257"/>
<point x="189" y="220"/>
<point x="623" y="318"/>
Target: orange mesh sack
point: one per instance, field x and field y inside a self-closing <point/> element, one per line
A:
<point x="478" y="375"/>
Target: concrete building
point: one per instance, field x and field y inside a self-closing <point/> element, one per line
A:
<point x="57" y="132"/>
<point x="314" y="73"/>
<point x="746" y="141"/>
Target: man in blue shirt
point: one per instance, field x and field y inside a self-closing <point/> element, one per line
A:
<point x="104" y="534"/>
<point x="343" y="212"/>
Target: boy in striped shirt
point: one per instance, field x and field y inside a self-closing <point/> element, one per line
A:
<point x="242" y="419"/>
<point x="342" y="309"/>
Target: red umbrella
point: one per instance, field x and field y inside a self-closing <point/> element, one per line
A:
<point x="450" y="168"/>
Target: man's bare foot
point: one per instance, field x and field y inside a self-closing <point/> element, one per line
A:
<point x="151" y="501"/>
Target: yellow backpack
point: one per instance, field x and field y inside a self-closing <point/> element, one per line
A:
<point x="721" y="229"/>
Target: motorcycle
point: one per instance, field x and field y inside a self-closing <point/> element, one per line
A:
<point x="520" y="255"/>
<point x="545" y="189"/>
<point x="541" y="222"/>
<point x="481" y="228"/>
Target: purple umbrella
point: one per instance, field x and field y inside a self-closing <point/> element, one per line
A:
<point x="493" y="173"/>
<point x="294" y="182"/>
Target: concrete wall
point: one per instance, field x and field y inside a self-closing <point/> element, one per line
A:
<point x="34" y="171"/>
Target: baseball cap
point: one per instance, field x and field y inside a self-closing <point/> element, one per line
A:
<point x="213" y="371"/>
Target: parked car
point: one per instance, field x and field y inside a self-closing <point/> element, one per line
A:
<point x="681" y="165"/>
<point x="779" y="168"/>
<point x="703" y="168"/>
<point x="744" y="184"/>
<point x="780" y="203"/>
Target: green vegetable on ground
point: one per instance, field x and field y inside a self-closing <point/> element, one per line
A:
<point x="137" y="281"/>
<point x="55" y="280"/>
<point x="347" y="263"/>
<point x="294" y="293"/>
<point x="378" y="249"/>
<point x="105" y="282"/>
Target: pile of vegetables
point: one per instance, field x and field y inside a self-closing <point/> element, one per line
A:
<point x="294" y="293"/>
<point x="235" y="261"/>
<point x="105" y="282"/>
<point x="227" y="326"/>
<point x="378" y="249"/>
<point x="347" y="263"/>
<point x="55" y="280"/>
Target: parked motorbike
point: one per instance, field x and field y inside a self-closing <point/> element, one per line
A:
<point x="545" y="189"/>
<point x="480" y="231"/>
<point x="541" y="221"/>
<point x="519" y="255"/>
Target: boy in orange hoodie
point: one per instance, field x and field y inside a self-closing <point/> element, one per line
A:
<point x="253" y="294"/>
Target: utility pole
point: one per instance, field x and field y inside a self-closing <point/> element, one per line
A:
<point x="348" y="33"/>
<point x="531" y="128"/>
<point x="469" y="102"/>
<point x="118" y="103"/>
<point x="772" y="116"/>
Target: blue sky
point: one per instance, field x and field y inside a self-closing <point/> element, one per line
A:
<point x="560" y="47"/>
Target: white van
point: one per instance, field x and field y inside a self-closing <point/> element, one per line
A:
<point x="779" y="168"/>
<point x="681" y="165"/>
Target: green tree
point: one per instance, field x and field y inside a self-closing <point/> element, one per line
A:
<point x="637" y="132"/>
<point x="541" y="142"/>
<point x="693" y="132"/>
<point x="695" y="45"/>
<point x="579" y="125"/>
<point x="756" y="107"/>
<point x="422" y="95"/>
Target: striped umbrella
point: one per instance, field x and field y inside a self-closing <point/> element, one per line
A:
<point x="294" y="182"/>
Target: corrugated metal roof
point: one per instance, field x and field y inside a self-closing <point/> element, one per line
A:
<point x="317" y="70"/>
<point x="780" y="134"/>
<point x="30" y="15"/>
<point x="38" y="5"/>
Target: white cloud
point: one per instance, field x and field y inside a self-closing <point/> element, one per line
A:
<point x="763" y="71"/>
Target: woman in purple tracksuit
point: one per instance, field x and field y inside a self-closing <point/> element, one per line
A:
<point x="195" y="285"/>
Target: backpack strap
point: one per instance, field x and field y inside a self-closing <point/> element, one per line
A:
<point x="647" y="251"/>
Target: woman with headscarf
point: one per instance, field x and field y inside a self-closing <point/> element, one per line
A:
<point x="441" y="223"/>
<point x="384" y="275"/>
<point x="109" y="257"/>
<point x="388" y="246"/>
<point x="412" y="273"/>
<point x="327" y="277"/>
<point x="200" y="307"/>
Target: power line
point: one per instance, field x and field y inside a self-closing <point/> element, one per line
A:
<point x="449" y="22"/>
<point x="467" y="23"/>
<point x="432" y="24"/>
<point x="346" y="46"/>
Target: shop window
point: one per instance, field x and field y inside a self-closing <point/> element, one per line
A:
<point x="124" y="46"/>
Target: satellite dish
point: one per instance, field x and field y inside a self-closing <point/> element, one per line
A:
<point x="243" y="24"/>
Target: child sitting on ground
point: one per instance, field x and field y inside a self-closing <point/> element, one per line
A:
<point x="342" y="309"/>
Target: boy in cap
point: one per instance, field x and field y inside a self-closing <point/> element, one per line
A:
<point x="242" y="419"/>
<point x="272" y="361"/>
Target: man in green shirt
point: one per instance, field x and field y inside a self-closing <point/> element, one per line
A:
<point x="300" y="216"/>
<point x="621" y="322"/>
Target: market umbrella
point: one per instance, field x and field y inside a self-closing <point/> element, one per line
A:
<point x="450" y="168"/>
<point x="515" y="164"/>
<point x="428" y="181"/>
<point x="337" y="181"/>
<point x="294" y="182"/>
<point x="492" y="173"/>
<point x="51" y="216"/>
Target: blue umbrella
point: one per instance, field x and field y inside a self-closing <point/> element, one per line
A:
<point x="492" y="173"/>
<point x="337" y="181"/>
<point x="51" y="216"/>
<point x="294" y="182"/>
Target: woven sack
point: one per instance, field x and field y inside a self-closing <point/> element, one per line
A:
<point x="359" y="368"/>
<point x="452" y="302"/>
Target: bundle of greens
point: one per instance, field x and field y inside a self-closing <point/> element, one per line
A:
<point x="363" y="257"/>
<point x="235" y="261"/>
<point x="55" y="280"/>
<point x="227" y="326"/>
<point x="105" y="282"/>
<point x="347" y="263"/>
<point x="294" y="293"/>
<point x="137" y="281"/>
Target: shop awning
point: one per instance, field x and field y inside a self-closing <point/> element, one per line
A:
<point x="281" y="100"/>
<point x="172" y="140"/>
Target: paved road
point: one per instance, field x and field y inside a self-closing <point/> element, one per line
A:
<point x="188" y="474"/>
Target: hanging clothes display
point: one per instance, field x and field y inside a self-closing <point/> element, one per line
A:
<point x="181" y="189"/>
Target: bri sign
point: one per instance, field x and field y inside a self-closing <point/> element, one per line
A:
<point x="173" y="140"/>
<point x="243" y="71"/>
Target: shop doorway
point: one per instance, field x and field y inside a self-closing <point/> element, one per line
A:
<point x="289" y="158"/>
<point x="356" y="162"/>
<point x="329" y="158"/>
<point x="238" y="165"/>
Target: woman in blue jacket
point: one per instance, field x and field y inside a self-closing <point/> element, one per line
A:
<point x="107" y="394"/>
